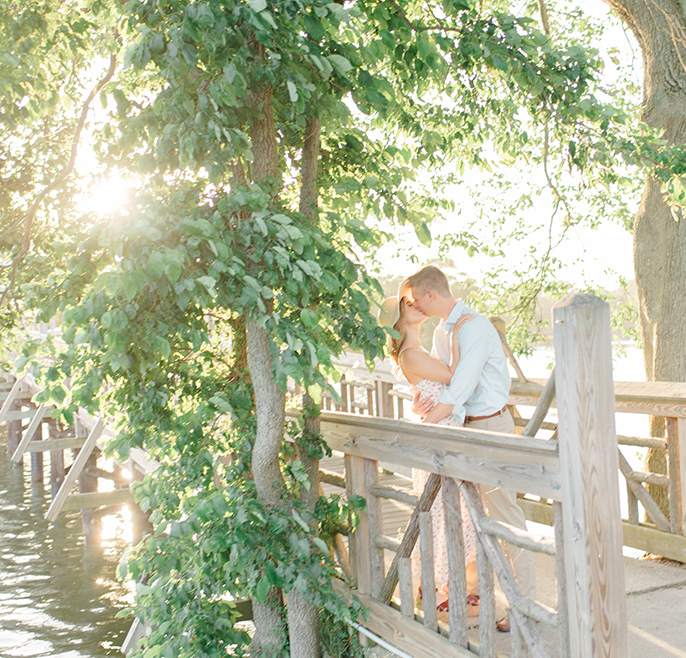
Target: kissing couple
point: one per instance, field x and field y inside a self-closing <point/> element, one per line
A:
<point x="463" y="381"/>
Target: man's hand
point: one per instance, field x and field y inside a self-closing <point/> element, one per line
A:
<point x="439" y="412"/>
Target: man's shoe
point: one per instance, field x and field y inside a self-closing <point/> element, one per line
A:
<point x="503" y="624"/>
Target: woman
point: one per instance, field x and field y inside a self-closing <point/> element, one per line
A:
<point x="428" y="377"/>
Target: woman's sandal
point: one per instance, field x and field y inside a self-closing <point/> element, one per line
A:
<point x="472" y="605"/>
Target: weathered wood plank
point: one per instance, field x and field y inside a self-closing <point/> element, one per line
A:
<point x="457" y="581"/>
<point x="498" y="460"/>
<point x="560" y="572"/>
<point x="74" y="471"/>
<point x="97" y="499"/>
<point x="673" y="475"/>
<point x="654" y="398"/>
<point x="19" y="414"/>
<point x="517" y="537"/>
<point x="55" y="444"/>
<point x="29" y="433"/>
<point x="329" y="477"/>
<point x="487" y="648"/>
<point x="426" y="551"/>
<point x="542" y="407"/>
<point x="405" y="587"/>
<point x="681" y="442"/>
<point x="375" y="521"/>
<point x="644" y="537"/>
<point x="588" y="458"/>
<point x="395" y="493"/>
<point x="361" y="539"/>
<point x="406" y="634"/>
<point x="11" y="397"/>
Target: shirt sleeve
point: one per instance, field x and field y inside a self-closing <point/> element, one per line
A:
<point x="474" y="352"/>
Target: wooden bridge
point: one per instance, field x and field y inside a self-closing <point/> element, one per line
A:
<point x="568" y="481"/>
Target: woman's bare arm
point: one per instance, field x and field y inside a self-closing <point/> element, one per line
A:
<point x="418" y="364"/>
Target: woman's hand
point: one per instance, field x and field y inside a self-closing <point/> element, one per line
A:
<point x="454" y="344"/>
<point x="422" y="406"/>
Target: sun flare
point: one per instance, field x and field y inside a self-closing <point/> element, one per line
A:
<point x="109" y="196"/>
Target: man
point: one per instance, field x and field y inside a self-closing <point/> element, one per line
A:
<point x="478" y="392"/>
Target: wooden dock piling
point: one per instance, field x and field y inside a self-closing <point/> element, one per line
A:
<point x="591" y="519"/>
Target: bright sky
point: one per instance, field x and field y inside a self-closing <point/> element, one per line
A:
<point x="597" y="257"/>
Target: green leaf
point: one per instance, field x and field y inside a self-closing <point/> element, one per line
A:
<point x="173" y="270"/>
<point x="423" y="233"/>
<point x="257" y="5"/>
<point x="320" y="544"/>
<point x="309" y="317"/>
<point x="292" y="91"/>
<point x="341" y="64"/>
<point x="112" y="284"/>
<point x="262" y="588"/>
<point x="300" y="521"/>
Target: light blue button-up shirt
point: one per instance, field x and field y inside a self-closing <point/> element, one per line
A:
<point x="481" y="383"/>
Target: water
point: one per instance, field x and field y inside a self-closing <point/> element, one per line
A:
<point x="58" y="597"/>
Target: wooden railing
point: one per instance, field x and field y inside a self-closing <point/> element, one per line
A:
<point x="379" y="393"/>
<point x="575" y="473"/>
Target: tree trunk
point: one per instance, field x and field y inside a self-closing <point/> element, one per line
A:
<point x="270" y="408"/>
<point x="270" y="400"/>
<point x="660" y="237"/>
<point x="303" y="618"/>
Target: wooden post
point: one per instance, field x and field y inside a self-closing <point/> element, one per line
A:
<point x="88" y="483"/>
<point x="56" y="460"/>
<point x="387" y="400"/>
<point x="681" y="441"/>
<point x="37" y="457"/>
<point x="589" y="463"/>
<point x="405" y="586"/>
<point x="426" y="552"/>
<point x="14" y="431"/>
<point x="672" y="436"/>
<point x="457" y="582"/>
<point x="343" y="406"/>
<point x="361" y="540"/>
<point x="562" y="596"/>
<point x="375" y="522"/>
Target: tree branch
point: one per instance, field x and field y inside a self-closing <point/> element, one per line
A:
<point x="30" y="214"/>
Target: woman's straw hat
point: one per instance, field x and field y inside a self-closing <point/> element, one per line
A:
<point x="390" y="307"/>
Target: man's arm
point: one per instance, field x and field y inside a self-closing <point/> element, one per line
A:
<point x="438" y="413"/>
<point x="475" y="350"/>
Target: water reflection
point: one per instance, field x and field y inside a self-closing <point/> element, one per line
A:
<point x="58" y="597"/>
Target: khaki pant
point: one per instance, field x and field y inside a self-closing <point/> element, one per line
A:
<point x="501" y="505"/>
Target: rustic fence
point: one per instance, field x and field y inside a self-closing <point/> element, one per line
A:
<point x="645" y="526"/>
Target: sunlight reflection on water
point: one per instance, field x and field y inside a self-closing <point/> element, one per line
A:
<point x="58" y="597"/>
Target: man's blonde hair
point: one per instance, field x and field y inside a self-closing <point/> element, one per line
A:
<point x="429" y="278"/>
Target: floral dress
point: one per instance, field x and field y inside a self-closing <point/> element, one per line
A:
<point x="430" y="390"/>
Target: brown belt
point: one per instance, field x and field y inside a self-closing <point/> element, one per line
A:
<point x="471" y="419"/>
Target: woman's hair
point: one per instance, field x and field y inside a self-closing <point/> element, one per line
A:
<point x="395" y="345"/>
